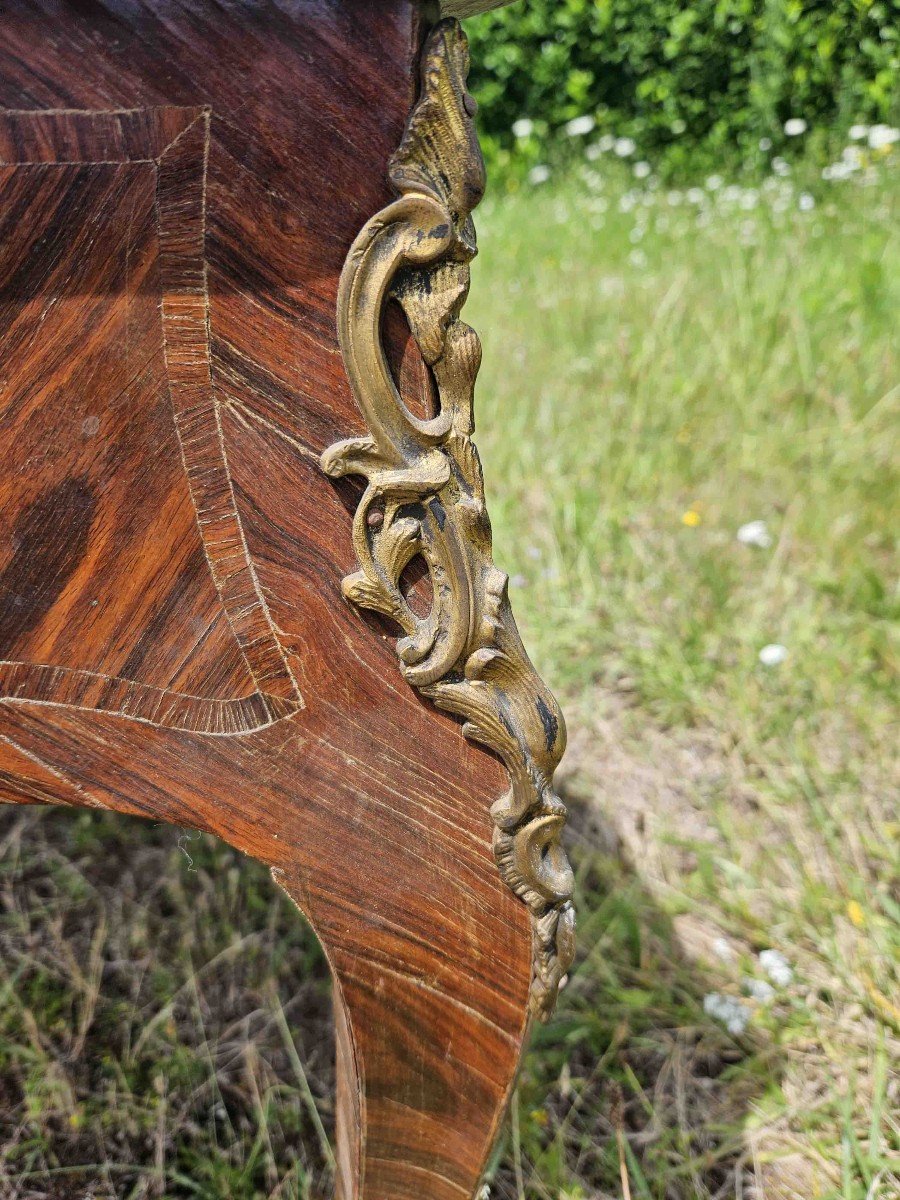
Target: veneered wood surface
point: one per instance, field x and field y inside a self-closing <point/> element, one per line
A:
<point x="179" y="185"/>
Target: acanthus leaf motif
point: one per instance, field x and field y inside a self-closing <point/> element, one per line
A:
<point x="424" y="478"/>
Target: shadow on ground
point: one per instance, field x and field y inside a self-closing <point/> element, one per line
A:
<point x="632" y="1078"/>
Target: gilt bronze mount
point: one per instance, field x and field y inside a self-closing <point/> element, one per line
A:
<point x="425" y="494"/>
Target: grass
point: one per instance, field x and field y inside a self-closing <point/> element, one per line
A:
<point x="162" y="1018"/>
<point x="656" y="375"/>
<point x="660" y="370"/>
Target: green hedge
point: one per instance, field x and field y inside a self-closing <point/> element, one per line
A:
<point x="706" y="78"/>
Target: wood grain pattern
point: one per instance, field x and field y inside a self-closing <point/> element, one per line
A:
<point x="179" y="186"/>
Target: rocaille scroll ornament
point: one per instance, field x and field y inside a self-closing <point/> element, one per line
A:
<point x="425" y="494"/>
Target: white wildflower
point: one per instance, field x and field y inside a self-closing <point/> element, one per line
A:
<point x="518" y="581"/>
<point x="624" y="147"/>
<point x="638" y="259"/>
<point x="539" y="174"/>
<point x="777" y="967"/>
<point x="749" y="199"/>
<point x="695" y="195"/>
<point x="748" y="233"/>
<point x="755" y="533"/>
<point x="523" y="128"/>
<point x="593" y="152"/>
<point x="773" y="655"/>
<point x="883" y="135"/>
<point x="607" y="142"/>
<point x="781" y="167"/>
<point x="734" y="1014"/>
<point x="713" y="183"/>
<point x="795" y="126"/>
<point x="674" y="198"/>
<point x="579" y="126"/>
<point x="641" y="170"/>
<point x="854" y="157"/>
<point x="859" y="133"/>
<point x="723" y="949"/>
<point x="806" y="202"/>
<point x="759" y="990"/>
<point x="765" y="144"/>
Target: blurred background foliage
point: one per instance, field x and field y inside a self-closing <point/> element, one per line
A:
<point x="704" y="81"/>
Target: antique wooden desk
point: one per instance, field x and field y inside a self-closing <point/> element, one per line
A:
<point x="234" y="236"/>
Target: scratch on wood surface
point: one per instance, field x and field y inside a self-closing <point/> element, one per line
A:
<point x="63" y="137"/>
<point x="89" y="798"/>
<point x="92" y="691"/>
<point x="428" y="1172"/>
<point x="241" y="412"/>
<point x="403" y="798"/>
<point x="471" y="967"/>
<point x="93" y="112"/>
<point x="95" y="162"/>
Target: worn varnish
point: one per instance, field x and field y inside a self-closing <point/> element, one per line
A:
<point x="179" y="186"/>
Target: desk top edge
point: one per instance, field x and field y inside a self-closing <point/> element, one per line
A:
<point x="469" y="8"/>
